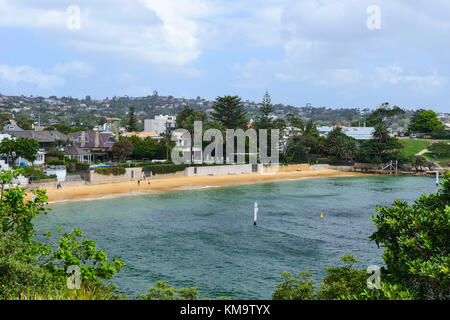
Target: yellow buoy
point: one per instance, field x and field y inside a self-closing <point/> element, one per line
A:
<point x="321" y="215"/>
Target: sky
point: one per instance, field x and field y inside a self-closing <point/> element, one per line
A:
<point x="332" y="53"/>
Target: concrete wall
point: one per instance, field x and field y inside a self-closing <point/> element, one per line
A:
<point x="216" y="170"/>
<point x="59" y="171"/>
<point x="131" y="174"/>
<point x="319" y="167"/>
<point x="167" y="175"/>
<point x="46" y="185"/>
<point x="343" y="168"/>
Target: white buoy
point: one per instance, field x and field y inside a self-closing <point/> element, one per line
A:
<point x="256" y="213"/>
<point x="437" y="178"/>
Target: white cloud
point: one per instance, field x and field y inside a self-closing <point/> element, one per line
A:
<point x="395" y="75"/>
<point x="29" y="75"/>
<point x="43" y="78"/>
<point x="323" y="43"/>
<point x="74" y="68"/>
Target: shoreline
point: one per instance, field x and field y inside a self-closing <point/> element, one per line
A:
<point x="182" y="183"/>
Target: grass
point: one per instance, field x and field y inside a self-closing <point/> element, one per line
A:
<point x="413" y="146"/>
<point x="443" y="160"/>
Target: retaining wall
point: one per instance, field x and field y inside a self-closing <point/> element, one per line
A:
<point x="131" y="174"/>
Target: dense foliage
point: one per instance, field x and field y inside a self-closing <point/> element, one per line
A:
<point x="424" y="121"/>
<point x="30" y="269"/>
<point x="19" y="147"/>
<point x="115" y="171"/>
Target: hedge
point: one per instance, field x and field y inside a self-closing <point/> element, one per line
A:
<point x="82" y="166"/>
<point x="35" y="174"/>
<point x="53" y="154"/>
<point x="56" y="163"/>
<point x="116" y="171"/>
<point x="165" y="168"/>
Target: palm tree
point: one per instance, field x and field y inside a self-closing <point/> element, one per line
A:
<point x="381" y="133"/>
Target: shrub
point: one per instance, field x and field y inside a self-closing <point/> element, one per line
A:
<point x="82" y="166"/>
<point x="440" y="147"/>
<point x="56" y="163"/>
<point x="165" y="168"/>
<point x="116" y="171"/>
<point x="53" y="154"/>
<point x="35" y="173"/>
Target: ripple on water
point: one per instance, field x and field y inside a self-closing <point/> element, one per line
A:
<point x="205" y="238"/>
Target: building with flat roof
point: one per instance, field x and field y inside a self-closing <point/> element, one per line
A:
<point x="160" y="124"/>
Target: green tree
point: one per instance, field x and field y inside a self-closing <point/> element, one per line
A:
<point x="380" y="133"/>
<point x="147" y="149"/>
<point x="230" y="111"/>
<point x="263" y="120"/>
<point x="424" y="121"/>
<point x="25" y="124"/>
<point x="131" y="121"/>
<point x="30" y="269"/>
<point x="20" y="147"/>
<point x="442" y="148"/>
<point x="384" y="114"/>
<point x="122" y="149"/>
<point x="417" y="243"/>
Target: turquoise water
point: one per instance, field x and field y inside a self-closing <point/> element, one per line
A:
<point x="206" y="238"/>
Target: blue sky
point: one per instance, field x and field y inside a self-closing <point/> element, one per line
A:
<point x="304" y="51"/>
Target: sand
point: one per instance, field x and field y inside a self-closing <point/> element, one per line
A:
<point x="180" y="183"/>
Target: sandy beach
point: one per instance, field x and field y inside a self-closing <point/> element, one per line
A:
<point x="180" y="183"/>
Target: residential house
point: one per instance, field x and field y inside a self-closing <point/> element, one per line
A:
<point x="99" y="144"/>
<point x="46" y="139"/>
<point x="82" y="155"/>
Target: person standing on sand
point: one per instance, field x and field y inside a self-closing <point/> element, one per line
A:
<point x="139" y="182"/>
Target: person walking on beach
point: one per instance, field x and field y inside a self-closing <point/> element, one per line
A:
<point x="139" y="182"/>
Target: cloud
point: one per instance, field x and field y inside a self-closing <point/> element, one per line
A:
<point x="286" y="43"/>
<point x="395" y="75"/>
<point x="29" y="75"/>
<point x="44" y="78"/>
<point x="74" y="68"/>
<point x="151" y="31"/>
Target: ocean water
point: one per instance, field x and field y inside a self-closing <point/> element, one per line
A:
<point x="206" y="238"/>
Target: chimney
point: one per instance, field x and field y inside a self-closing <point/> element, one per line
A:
<point x="97" y="139"/>
<point x="83" y="139"/>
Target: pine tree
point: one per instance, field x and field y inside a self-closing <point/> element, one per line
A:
<point x="263" y="120"/>
<point x="132" y="122"/>
<point x="229" y="110"/>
